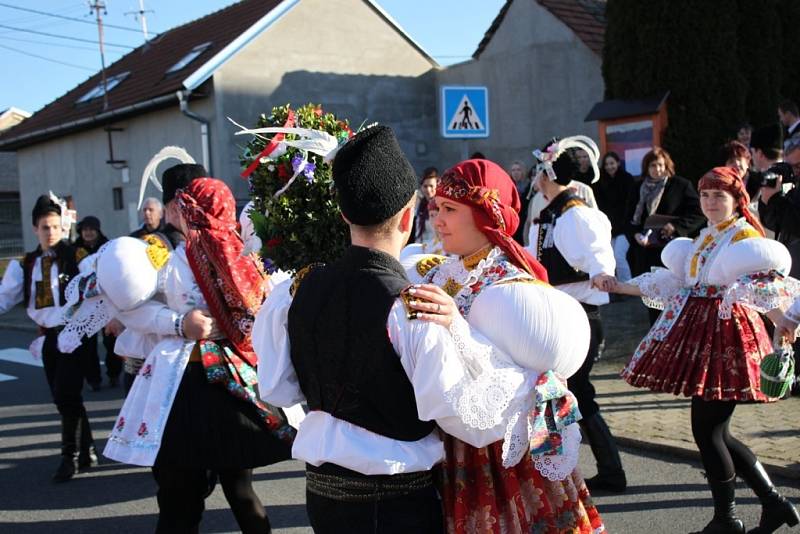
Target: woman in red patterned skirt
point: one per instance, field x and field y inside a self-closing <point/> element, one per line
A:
<point x="528" y="481"/>
<point x="709" y="341"/>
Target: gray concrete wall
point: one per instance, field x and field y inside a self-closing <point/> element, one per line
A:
<point x="542" y="82"/>
<point x="9" y="180"/>
<point x="355" y="65"/>
<point x="76" y="165"/>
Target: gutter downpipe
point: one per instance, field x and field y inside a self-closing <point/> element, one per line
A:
<point x="183" y="99"/>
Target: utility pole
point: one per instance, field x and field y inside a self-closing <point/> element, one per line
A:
<point x="98" y="7"/>
<point x="142" y="17"/>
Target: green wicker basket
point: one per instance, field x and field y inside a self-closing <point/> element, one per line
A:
<point x="777" y="372"/>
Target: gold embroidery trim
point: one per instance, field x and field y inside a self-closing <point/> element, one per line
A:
<point x="472" y="261"/>
<point x="707" y="241"/>
<point x="157" y="251"/>
<point x="80" y="254"/>
<point x="523" y="280"/>
<point x="572" y="203"/>
<point x="427" y="263"/>
<point x="301" y="274"/>
<point x="451" y="287"/>
<point x="746" y="233"/>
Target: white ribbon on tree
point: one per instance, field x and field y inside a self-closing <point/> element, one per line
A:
<point x="316" y="141"/>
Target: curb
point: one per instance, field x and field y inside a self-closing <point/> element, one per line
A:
<point x="691" y="454"/>
<point x="19" y="327"/>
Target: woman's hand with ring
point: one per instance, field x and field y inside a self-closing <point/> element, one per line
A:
<point x="433" y="304"/>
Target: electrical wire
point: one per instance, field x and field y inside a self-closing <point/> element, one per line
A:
<point x="74" y="19"/>
<point x="47" y="58"/>
<point x="59" y="45"/>
<point x="63" y="36"/>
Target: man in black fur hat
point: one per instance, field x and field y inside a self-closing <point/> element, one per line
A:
<point x="40" y="282"/>
<point x="342" y="338"/>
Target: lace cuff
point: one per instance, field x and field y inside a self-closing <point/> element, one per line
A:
<point x="85" y="312"/>
<point x="760" y="291"/>
<point x="483" y="395"/>
<point x="657" y="287"/>
<point x="544" y="425"/>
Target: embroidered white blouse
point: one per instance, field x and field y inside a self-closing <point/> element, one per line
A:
<point x="583" y="236"/>
<point x="437" y="373"/>
<point x="11" y="293"/>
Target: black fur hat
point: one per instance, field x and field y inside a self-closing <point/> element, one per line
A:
<point x="373" y="177"/>
<point x="44" y="206"/>
<point x="564" y="166"/>
<point x="178" y="177"/>
<point x="769" y="137"/>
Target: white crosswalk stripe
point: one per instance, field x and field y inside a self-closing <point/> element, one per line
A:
<point x="16" y="355"/>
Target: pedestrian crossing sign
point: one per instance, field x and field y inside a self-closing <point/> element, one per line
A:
<point x="465" y="112"/>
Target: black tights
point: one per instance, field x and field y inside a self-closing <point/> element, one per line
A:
<point x="722" y="454"/>
<point x="181" y="495"/>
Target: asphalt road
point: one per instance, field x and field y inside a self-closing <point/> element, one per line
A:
<point x="666" y="495"/>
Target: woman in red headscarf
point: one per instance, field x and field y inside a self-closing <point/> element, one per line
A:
<point x="708" y="342"/>
<point x="527" y="482"/>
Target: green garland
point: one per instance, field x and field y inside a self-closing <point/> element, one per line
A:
<point x="303" y="225"/>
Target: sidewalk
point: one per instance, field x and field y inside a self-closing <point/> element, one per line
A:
<point x="640" y="418"/>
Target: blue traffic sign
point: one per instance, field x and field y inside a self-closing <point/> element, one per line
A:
<point x="465" y="112"/>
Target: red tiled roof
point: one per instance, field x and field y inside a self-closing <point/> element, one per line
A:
<point x="587" y="18"/>
<point x="147" y="65"/>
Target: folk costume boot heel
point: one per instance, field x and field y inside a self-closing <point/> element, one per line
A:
<point x="776" y="510"/>
<point x="70" y="429"/>
<point x="725" y="520"/>
<point x="87" y="457"/>
<point x="610" y="474"/>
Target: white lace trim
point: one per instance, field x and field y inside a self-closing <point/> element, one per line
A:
<point x="454" y="270"/>
<point x="556" y="467"/>
<point x="481" y="399"/>
<point x="762" y="296"/>
<point x="657" y="287"/>
<point x="92" y="315"/>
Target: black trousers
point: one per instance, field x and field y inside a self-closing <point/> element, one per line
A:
<point x="113" y="362"/>
<point x="90" y="360"/>
<point x="419" y="512"/>
<point x="65" y="375"/>
<point x="579" y="383"/>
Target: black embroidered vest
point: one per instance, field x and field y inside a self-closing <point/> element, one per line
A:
<point x="559" y="271"/>
<point x="340" y="347"/>
<point x="65" y="261"/>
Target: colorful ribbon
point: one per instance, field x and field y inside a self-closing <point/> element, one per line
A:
<point x="270" y="148"/>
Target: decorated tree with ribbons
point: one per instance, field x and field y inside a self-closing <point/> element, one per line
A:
<point x="289" y="168"/>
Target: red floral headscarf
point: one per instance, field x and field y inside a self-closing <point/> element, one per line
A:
<point x="486" y="188"/>
<point x="727" y="179"/>
<point x="233" y="285"/>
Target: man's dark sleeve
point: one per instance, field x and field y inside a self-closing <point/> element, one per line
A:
<point x="782" y="213"/>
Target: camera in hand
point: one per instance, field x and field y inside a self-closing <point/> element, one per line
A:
<point x="769" y="178"/>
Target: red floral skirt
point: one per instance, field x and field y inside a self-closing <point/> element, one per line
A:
<point x="705" y="356"/>
<point x="482" y="497"/>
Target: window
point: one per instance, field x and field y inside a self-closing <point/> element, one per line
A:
<point x="117" y="194"/>
<point x="97" y="91"/>
<point x="188" y="58"/>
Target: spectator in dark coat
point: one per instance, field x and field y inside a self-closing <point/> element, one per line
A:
<point x="611" y="192"/>
<point x="659" y="192"/>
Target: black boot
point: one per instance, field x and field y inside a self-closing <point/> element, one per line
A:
<point x="610" y="474"/>
<point x="87" y="457"/>
<point x="725" y="520"/>
<point x="70" y="428"/>
<point x="776" y="510"/>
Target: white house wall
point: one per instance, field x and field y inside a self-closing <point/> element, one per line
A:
<point x="76" y="165"/>
<point x="542" y="81"/>
<point x="354" y="64"/>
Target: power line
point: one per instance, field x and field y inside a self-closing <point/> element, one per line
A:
<point x="62" y="36"/>
<point x="74" y="19"/>
<point x="47" y="58"/>
<point x="48" y="43"/>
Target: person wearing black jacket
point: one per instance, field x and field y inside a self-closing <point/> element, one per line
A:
<point x="780" y="212"/>
<point x="611" y="192"/>
<point x="659" y="192"/>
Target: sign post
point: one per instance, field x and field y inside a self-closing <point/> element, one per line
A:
<point x="465" y="112"/>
